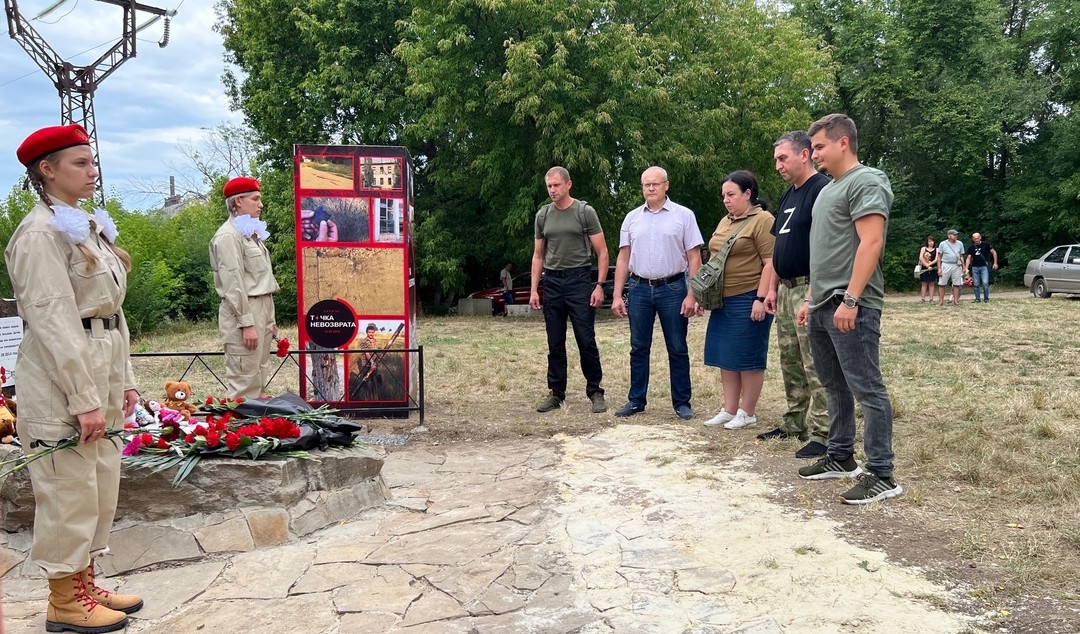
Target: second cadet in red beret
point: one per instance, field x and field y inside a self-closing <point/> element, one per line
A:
<point x="240" y="185"/>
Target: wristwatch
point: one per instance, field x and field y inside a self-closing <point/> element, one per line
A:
<point x="759" y="298"/>
<point x="850" y="300"/>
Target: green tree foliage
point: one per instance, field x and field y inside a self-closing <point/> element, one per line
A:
<point x="488" y="94"/>
<point x="13" y="209"/>
<point x="964" y="104"/>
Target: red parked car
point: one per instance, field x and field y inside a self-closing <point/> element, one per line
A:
<point x="523" y="286"/>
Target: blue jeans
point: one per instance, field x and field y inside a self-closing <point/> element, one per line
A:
<point x="981" y="275"/>
<point x="566" y="296"/>
<point x="847" y="365"/>
<point x="644" y="304"/>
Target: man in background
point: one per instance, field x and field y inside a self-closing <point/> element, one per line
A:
<point x="981" y="257"/>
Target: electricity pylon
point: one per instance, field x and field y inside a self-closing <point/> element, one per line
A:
<point x="77" y="84"/>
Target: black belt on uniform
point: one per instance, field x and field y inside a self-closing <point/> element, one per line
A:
<point x="108" y="323"/>
<point x="662" y="281"/>
<point x="796" y="281"/>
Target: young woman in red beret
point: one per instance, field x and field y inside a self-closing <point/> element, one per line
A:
<point x="74" y="376"/>
<point x="245" y="283"/>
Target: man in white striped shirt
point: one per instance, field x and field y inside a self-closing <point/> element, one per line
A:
<point x="659" y="246"/>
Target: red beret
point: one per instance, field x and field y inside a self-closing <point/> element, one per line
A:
<point x="240" y="185"/>
<point x="52" y="139"/>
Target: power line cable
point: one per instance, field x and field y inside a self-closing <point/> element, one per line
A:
<point x="34" y="72"/>
<point x="59" y="18"/>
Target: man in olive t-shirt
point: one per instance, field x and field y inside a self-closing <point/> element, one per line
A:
<point x="566" y="231"/>
<point x="843" y="310"/>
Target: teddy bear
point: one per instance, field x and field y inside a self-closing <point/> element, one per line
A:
<point x="177" y="394"/>
<point x="7" y="420"/>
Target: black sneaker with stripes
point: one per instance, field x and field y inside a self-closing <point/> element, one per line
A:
<point x="870" y="488"/>
<point x="828" y="468"/>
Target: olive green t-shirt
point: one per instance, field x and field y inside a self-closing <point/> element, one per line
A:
<point x="859" y="192"/>
<point x="566" y="239"/>
<point x="749" y="252"/>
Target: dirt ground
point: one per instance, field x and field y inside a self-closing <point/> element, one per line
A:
<point x="909" y="536"/>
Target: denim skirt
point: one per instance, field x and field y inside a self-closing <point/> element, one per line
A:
<point x="735" y="342"/>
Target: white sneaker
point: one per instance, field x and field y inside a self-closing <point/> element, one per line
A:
<point x="742" y="419"/>
<point x="720" y="419"/>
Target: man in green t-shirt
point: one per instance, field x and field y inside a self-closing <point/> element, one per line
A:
<point x="843" y="311"/>
<point x="566" y="231"/>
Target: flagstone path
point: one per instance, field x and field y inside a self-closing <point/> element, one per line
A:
<point x="624" y="531"/>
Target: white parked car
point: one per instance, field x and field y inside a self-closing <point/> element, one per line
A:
<point x="1056" y="272"/>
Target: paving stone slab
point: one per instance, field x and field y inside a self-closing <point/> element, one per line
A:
<point x="490" y="461"/>
<point x="601" y="576"/>
<point x="420" y="570"/>
<point x="516" y="492"/>
<point x="309" y="613"/>
<point x="362" y="622"/>
<point x="263" y="574"/>
<point x="453" y="516"/>
<point x="33" y="588"/>
<point x="9" y="559"/>
<point x="146" y="545"/>
<point x="376" y="595"/>
<point x="450" y="545"/>
<point x="165" y="590"/>
<point x="655" y="556"/>
<point x="589" y="535"/>
<point x="325" y="577"/>
<point x="767" y="626"/>
<point x="410" y="503"/>
<point x="432" y="606"/>
<point x="353" y="550"/>
<point x="658" y="580"/>
<point x="605" y="599"/>
<point x="469" y="581"/>
<point x="498" y="599"/>
<point x="707" y="579"/>
<point x="529" y="576"/>
<point x="231" y="535"/>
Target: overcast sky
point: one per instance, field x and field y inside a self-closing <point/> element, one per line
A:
<point x="152" y="102"/>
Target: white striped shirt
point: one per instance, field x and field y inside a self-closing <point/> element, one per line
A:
<point x="659" y="240"/>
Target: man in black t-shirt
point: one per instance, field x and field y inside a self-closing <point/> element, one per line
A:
<point x="981" y="257"/>
<point x="807" y="415"/>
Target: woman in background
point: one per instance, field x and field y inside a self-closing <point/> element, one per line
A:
<point x="928" y="260"/>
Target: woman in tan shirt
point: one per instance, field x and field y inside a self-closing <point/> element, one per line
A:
<point x="73" y="374"/>
<point x="737" y="339"/>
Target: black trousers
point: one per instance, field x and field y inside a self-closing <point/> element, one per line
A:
<point x="566" y="296"/>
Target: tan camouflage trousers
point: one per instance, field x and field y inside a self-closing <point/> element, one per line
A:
<point x="807" y="411"/>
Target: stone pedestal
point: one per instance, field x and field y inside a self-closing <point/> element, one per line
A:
<point x="224" y="505"/>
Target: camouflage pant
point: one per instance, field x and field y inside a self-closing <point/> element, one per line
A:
<point x="807" y="410"/>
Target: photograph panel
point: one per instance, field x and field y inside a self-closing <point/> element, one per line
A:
<point x="327" y="172"/>
<point x="371" y="280"/>
<point x="326" y="219"/>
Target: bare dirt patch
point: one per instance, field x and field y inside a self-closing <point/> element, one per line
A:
<point x="986" y="433"/>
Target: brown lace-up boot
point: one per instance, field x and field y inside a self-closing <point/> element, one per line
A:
<point x="72" y="609"/>
<point x="126" y="603"/>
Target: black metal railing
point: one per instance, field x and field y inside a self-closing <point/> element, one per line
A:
<point x="410" y="403"/>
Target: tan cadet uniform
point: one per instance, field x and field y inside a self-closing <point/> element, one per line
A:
<point x="245" y="283"/>
<point x="66" y="369"/>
